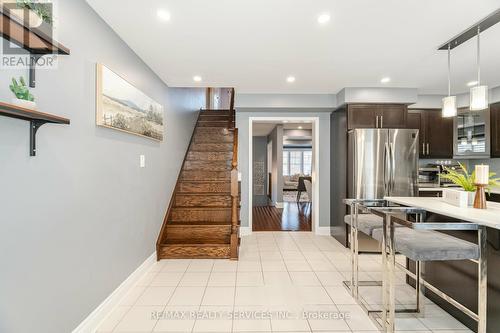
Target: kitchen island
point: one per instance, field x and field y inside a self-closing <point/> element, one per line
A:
<point x="459" y="279"/>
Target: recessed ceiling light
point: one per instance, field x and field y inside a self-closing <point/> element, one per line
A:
<point x="323" y="18"/>
<point x="300" y="127"/>
<point x="163" y="14"/>
<point x="285" y="121"/>
<point x="197" y="78"/>
<point x="385" y="80"/>
<point x="472" y="84"/>
<point x="290" y="79"/>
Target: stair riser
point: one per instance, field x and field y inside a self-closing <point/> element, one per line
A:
<point x="219" y="147"/>
<point x="198" y="215"/>
<point x="189" y="187"/>
<point x="209" y="156"/>
<point x="209" y="123"/>
<point x="214" y="118"/>
<point x="186" y="252"/>
<point x="205" y="234"/>
<point x="186" y="200"/>
<point x="207" y="165"/>
<point x="212" y="138"/>
<point x="206" y="175"/>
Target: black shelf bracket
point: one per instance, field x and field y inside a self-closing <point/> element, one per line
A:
<point x="31" y="75"/>
<point x="34" y="126"/>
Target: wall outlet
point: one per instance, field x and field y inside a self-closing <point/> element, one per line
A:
<point x="142" y="161"/>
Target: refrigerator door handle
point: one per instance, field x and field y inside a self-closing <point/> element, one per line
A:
<point x="393" y="165"/>
<point x="387" y="169"/>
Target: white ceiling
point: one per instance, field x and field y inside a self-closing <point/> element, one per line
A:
<point x="253" y="45"/>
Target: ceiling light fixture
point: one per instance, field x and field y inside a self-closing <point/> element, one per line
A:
<point x="471" y="83"/>
<point x="197" y="78"/>
<point x="163" y="15"/>
<point x="385" y="80"/>
<point x="290" y="79"/>
<point x="479" y="93"/>
<point x="300" y="127"/>
<point x="323" y="18"/>
<point x="285" y="121"/>
<point x="450" y="102"/>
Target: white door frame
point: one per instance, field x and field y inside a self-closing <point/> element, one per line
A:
<point x="315" y="171"/>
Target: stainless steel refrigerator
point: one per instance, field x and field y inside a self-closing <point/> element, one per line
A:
<point x="382" y="162"/>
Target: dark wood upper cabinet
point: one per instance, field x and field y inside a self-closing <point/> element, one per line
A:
<point x="495" y="129"/>
<point x="392" y="116"/>
<point x="376" y="116"/>
<point x="416" y="120"/>
<point x="362" y="116"/>
<point x="435" y="132"/>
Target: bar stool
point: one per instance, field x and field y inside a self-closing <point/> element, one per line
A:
<point x="421" y="242"/>
<point x="368" y="223"/>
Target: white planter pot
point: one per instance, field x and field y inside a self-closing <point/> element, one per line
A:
<point x="24" y="103"/>
<point x="470" y="198"/>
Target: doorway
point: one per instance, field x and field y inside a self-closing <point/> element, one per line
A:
<point x="283" y="173"/>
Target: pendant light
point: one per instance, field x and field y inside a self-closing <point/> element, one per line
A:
<point x="450" y="102"/>
<point x="479" y="93"/>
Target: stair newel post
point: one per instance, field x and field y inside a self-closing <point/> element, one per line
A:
<point x="234" y="199"/>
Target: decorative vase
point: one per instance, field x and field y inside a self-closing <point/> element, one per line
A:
<point x="24" y="103"/>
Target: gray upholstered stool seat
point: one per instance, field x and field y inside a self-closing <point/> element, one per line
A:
<point x="424" y="245"/>
<point x="366" y="222"/>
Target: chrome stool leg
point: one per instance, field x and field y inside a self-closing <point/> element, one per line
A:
<point x="482" y="281"/>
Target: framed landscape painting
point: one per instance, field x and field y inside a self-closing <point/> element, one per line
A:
<point x="123" y="107"/>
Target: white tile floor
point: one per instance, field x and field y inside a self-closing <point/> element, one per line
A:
<point x="280" y="277"/>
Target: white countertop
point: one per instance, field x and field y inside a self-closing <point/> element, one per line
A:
<point x="489" y="217"/>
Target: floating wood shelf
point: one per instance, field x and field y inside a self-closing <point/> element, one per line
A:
<point x="34" y="40"/>
<point x="35" y="118"/>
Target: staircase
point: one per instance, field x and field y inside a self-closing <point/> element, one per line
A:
<point x="202" y="220"/>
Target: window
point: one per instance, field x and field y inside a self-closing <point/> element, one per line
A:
<point x="297" y="161"/>
<point x="285" y="164"/>
<point x="307" y="162"/>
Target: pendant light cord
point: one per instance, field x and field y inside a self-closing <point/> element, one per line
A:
<point x="478" y="56"/>
<point x="449" y="70"/>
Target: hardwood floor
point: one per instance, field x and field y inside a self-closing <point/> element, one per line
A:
<point x="293" y="217"/>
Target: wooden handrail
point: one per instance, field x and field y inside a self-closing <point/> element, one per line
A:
<point x="231" y="101"/>
<point x="235" y="238"/>
<point x="231" y="119"/>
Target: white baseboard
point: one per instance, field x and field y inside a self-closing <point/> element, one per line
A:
<point x="322" y="231"/>
<point x="94" y="319"/>
<point x="245" y="231"/>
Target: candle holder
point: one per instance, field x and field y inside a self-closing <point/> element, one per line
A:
<point x="480" y="198"/>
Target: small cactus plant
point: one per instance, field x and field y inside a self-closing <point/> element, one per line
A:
<point x="21" y="90"/>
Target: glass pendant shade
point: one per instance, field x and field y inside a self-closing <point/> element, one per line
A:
<point x="449" y="106"/>
<point x="478" y="98"/>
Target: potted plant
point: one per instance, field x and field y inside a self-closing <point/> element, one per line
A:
<point x="466" y="181"/>
<point x="39" y="14"/>
<point x="23" y="96"/>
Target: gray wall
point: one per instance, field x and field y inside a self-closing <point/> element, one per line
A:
<point x="81" y="216"/>
<point x="276" y="139"/>
<point x="242" y="122"/>
<point x="259" y="147"/>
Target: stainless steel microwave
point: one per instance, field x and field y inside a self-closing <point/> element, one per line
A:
<point x="471" y="134"/>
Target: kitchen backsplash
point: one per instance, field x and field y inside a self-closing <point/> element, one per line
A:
<point x="494" y="163"/>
